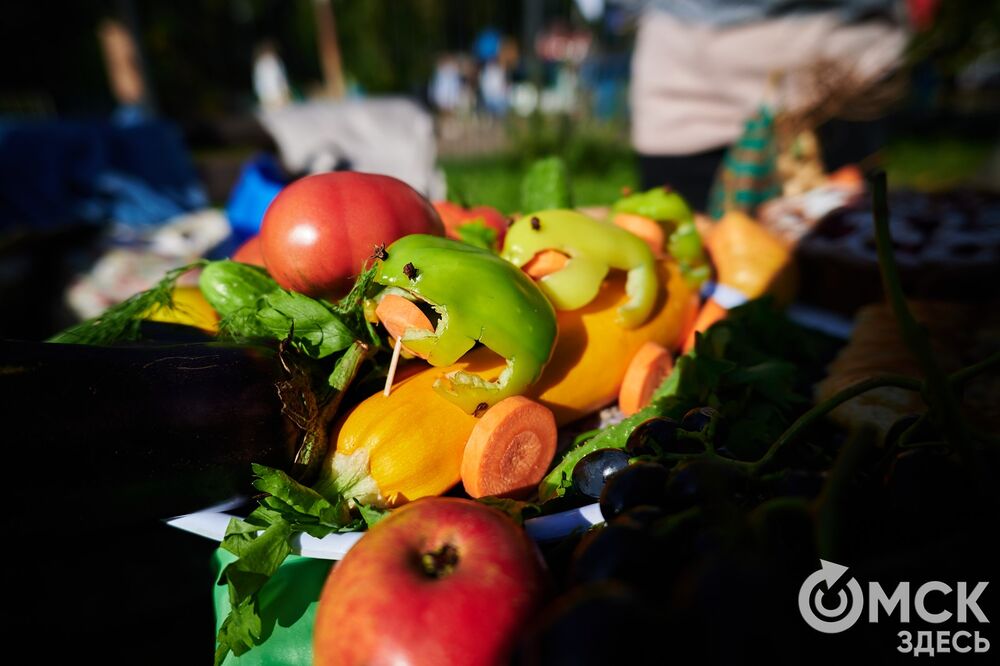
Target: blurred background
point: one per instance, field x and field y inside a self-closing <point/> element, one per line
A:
<point x="120" y="120"/>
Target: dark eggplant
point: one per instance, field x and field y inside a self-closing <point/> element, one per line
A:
<point x="117" y="435"/>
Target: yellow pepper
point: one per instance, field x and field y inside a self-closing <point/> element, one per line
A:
<point x="190" y="308"/>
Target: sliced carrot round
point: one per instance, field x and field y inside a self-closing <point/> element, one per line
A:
<point x="545" y="263"/>
<point x="510" y="448"/>
<point x="646" y="371"/>
<point x="645" y="228"/>
<point x="398" y="314"/>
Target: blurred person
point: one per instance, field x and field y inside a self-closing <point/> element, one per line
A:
<point x="701" y="68"/>
<point x="446" y="84"/>
<point x="123" y="63"/>
<point x="270" y="82"/>
<point x="493" y="87"/>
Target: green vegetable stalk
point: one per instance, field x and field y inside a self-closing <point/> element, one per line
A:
<point x="593" y="249"/>
<point x="480" y="298"/>
<point x="546" y="185"/>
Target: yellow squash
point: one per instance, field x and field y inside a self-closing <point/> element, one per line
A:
<point x="750" y="260"/>
<point x="190" y="308"/>
<point x="414" y="439"/>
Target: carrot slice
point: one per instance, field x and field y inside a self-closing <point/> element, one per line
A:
<point x="398" y="314"/>
<point x="645" y="228"/>
<point x="510" y="448"/>
<point x="545" y="263"/>
<point x="849" y="175"/>
<point x="710" y="313"/>
<point x="646" y="371"/>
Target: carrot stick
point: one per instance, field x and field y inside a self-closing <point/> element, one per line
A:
<point x="645" y="228"/>
<point x="545" y="263"/>
<point x="510" y="448"/>
<point x="646" y="371"/>
<point x="710" y="313"/>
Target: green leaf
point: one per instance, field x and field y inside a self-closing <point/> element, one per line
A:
<point x="477" y="233"/>
<point x="298" y="498"/>
<point x="316" y="331"/>
<point x="258" y="560"/>
<point x="371" y="515"/>
<point x="239" y="631"/>
<point x="346" y="368"/>
<point x="352" y="311"/>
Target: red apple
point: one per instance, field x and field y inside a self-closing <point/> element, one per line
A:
<point x="319" y="231"/>
<point x="455" y="216"/>
<point x="441" y="581"/>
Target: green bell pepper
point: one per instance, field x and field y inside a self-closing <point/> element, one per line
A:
<point x="593" y="248"/>
<point x="672" y="212"/>
<point x="480" y="298"/>
<point x="658" y="204"/>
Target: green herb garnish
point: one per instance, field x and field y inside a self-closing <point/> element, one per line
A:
<point x="262" y="541"/>
<point x="120" y="323"/>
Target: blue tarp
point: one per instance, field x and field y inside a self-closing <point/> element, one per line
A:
<point x="54" y="173"/>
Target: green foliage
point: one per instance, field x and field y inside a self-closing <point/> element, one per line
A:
<point x="746" y="366"/>
<point x="261" y="542"/>
<point x="599" y="162"/>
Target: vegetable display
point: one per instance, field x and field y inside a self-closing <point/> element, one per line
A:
<point x="413" y="441"/>
<point x="453" y="366"/>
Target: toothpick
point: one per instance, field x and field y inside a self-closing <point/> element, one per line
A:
<point x="392" y="366"/>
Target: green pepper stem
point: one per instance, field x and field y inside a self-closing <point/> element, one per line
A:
<point x="939" y="395"/>
<point x="960" y="377"/>
<point x="828" y="405"/>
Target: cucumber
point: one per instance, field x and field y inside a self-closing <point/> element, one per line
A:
<point x="120" y="435"/>
<point x="230" y="286"/>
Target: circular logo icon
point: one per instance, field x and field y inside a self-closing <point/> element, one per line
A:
<point x="846" y="609"/>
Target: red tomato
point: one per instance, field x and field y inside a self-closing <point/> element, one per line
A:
<point x="249" y="252"/>
<point x="455" y="216"/>
<point x="319" y="231"/>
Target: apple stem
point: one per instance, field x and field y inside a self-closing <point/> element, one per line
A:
<point x="440" y="562"/>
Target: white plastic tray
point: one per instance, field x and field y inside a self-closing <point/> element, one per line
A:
<point x="211" y="524"/>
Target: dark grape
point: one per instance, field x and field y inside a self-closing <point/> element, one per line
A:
<point x="603" y="623"/>
<point x="639" y="483"/>
<point x="698" y="418"/>
<point x="642" y="516"/>
<point x="658" y="434"/>
<point x="701" y="481"/>
<point x="617" y="551"/>
<point x="592" y="470"/>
